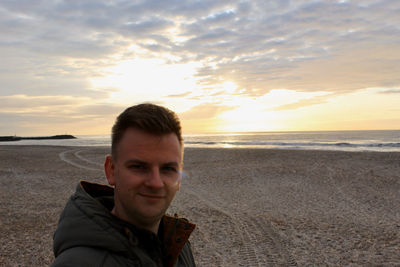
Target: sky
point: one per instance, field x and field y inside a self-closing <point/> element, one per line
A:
<point x="70" y="67"/>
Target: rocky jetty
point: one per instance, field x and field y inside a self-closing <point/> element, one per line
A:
<point x="18" y="138"/>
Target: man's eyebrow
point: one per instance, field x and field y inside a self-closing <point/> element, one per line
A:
<point x="172" y="163"/>
<point x="138" y="161"/>
<point x="134" y="161"/>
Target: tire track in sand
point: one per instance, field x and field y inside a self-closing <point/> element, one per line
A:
<point x="350" y="202"/>
<point x="261" y="245"/>
<point x="74" y="158"/>
<point x="78" y="155"/>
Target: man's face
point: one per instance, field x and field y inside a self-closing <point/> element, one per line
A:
<point x="146" y="175"/>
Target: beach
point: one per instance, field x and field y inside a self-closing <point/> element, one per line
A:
<point x="252" y="207"/>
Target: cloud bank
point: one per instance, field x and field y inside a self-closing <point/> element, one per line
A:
<point x="51" y="49"/>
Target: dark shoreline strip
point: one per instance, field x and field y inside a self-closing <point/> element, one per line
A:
<point x="18" y="138"/>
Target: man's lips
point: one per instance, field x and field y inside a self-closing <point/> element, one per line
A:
<point x="151" y="196"/>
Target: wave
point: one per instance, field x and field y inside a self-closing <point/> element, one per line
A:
<point x="291" y="144"/>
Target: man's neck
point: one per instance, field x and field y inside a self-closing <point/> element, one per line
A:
<point x="154" y="228"/>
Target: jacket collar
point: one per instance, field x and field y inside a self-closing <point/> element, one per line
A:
<point x="176" y="234"/>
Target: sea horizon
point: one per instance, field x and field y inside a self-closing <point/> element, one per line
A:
<point x="343" y="140"/>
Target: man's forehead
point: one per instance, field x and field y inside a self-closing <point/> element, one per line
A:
<point x="138" y="142"/>
<point x="141" y="138"/>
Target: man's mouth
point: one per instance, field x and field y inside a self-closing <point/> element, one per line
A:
<point x="152" y="196"/>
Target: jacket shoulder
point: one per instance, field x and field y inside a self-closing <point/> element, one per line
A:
<point x="89" y="256"/>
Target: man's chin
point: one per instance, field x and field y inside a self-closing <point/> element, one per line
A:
<point x="151" y="212"/>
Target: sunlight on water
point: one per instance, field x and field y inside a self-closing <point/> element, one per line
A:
<point x="383" y="141"/>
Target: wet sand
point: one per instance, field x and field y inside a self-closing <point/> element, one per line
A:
<point x="252" y="207"/>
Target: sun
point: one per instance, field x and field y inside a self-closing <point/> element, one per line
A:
<point x="261" y="113"/>
<point x="250" y="118"/>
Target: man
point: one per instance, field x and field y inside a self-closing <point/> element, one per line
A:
<point x="126" y="225"/>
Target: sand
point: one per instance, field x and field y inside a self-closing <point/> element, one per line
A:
<point x="252" y="207"/>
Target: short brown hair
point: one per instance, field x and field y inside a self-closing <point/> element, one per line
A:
<point x="149" y="118"/>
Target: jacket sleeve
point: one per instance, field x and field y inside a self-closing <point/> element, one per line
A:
<point x="80" y="256"/>
<point x="93" y="257"/>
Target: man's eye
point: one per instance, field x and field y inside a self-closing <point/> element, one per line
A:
<point x="136" y="167"/>
<point x="170" y="169"/>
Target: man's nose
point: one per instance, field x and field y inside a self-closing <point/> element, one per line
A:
<point x="154" y="180"/>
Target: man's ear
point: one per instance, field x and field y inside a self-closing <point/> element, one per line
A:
<point x="179" y="182"/>
<point x="109" y="169"/>
<point x="179" y="185"/>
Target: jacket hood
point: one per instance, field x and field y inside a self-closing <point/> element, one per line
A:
<point x="89" y="223"/>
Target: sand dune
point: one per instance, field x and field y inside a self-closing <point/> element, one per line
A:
<point x="252" y="207"/>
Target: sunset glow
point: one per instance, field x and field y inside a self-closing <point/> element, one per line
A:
<point x="293" y="66"/>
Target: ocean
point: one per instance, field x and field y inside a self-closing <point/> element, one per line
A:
<point x="380" y="140"/>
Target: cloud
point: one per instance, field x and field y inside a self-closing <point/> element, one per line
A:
<point x="258" y="45"/>
<point x="204" y="111"/>
<point x="30" y="124"/>
<point x="100" y="110"/>
<point x="55" y="48"/>
<point x="390" y="91"/>
<point x="20" y="103"/>
<point x="56" y="107"/>
<point x="38" y="115"/>
<point x="304" y="103"/>
<point x="183" y="95"/>
<point x="271" y="50"/>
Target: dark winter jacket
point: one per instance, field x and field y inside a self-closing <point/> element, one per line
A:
<point x="88" y="234"/>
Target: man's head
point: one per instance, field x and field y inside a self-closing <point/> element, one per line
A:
<point x="149" y="118"/>
<point x="146" y="165"/>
